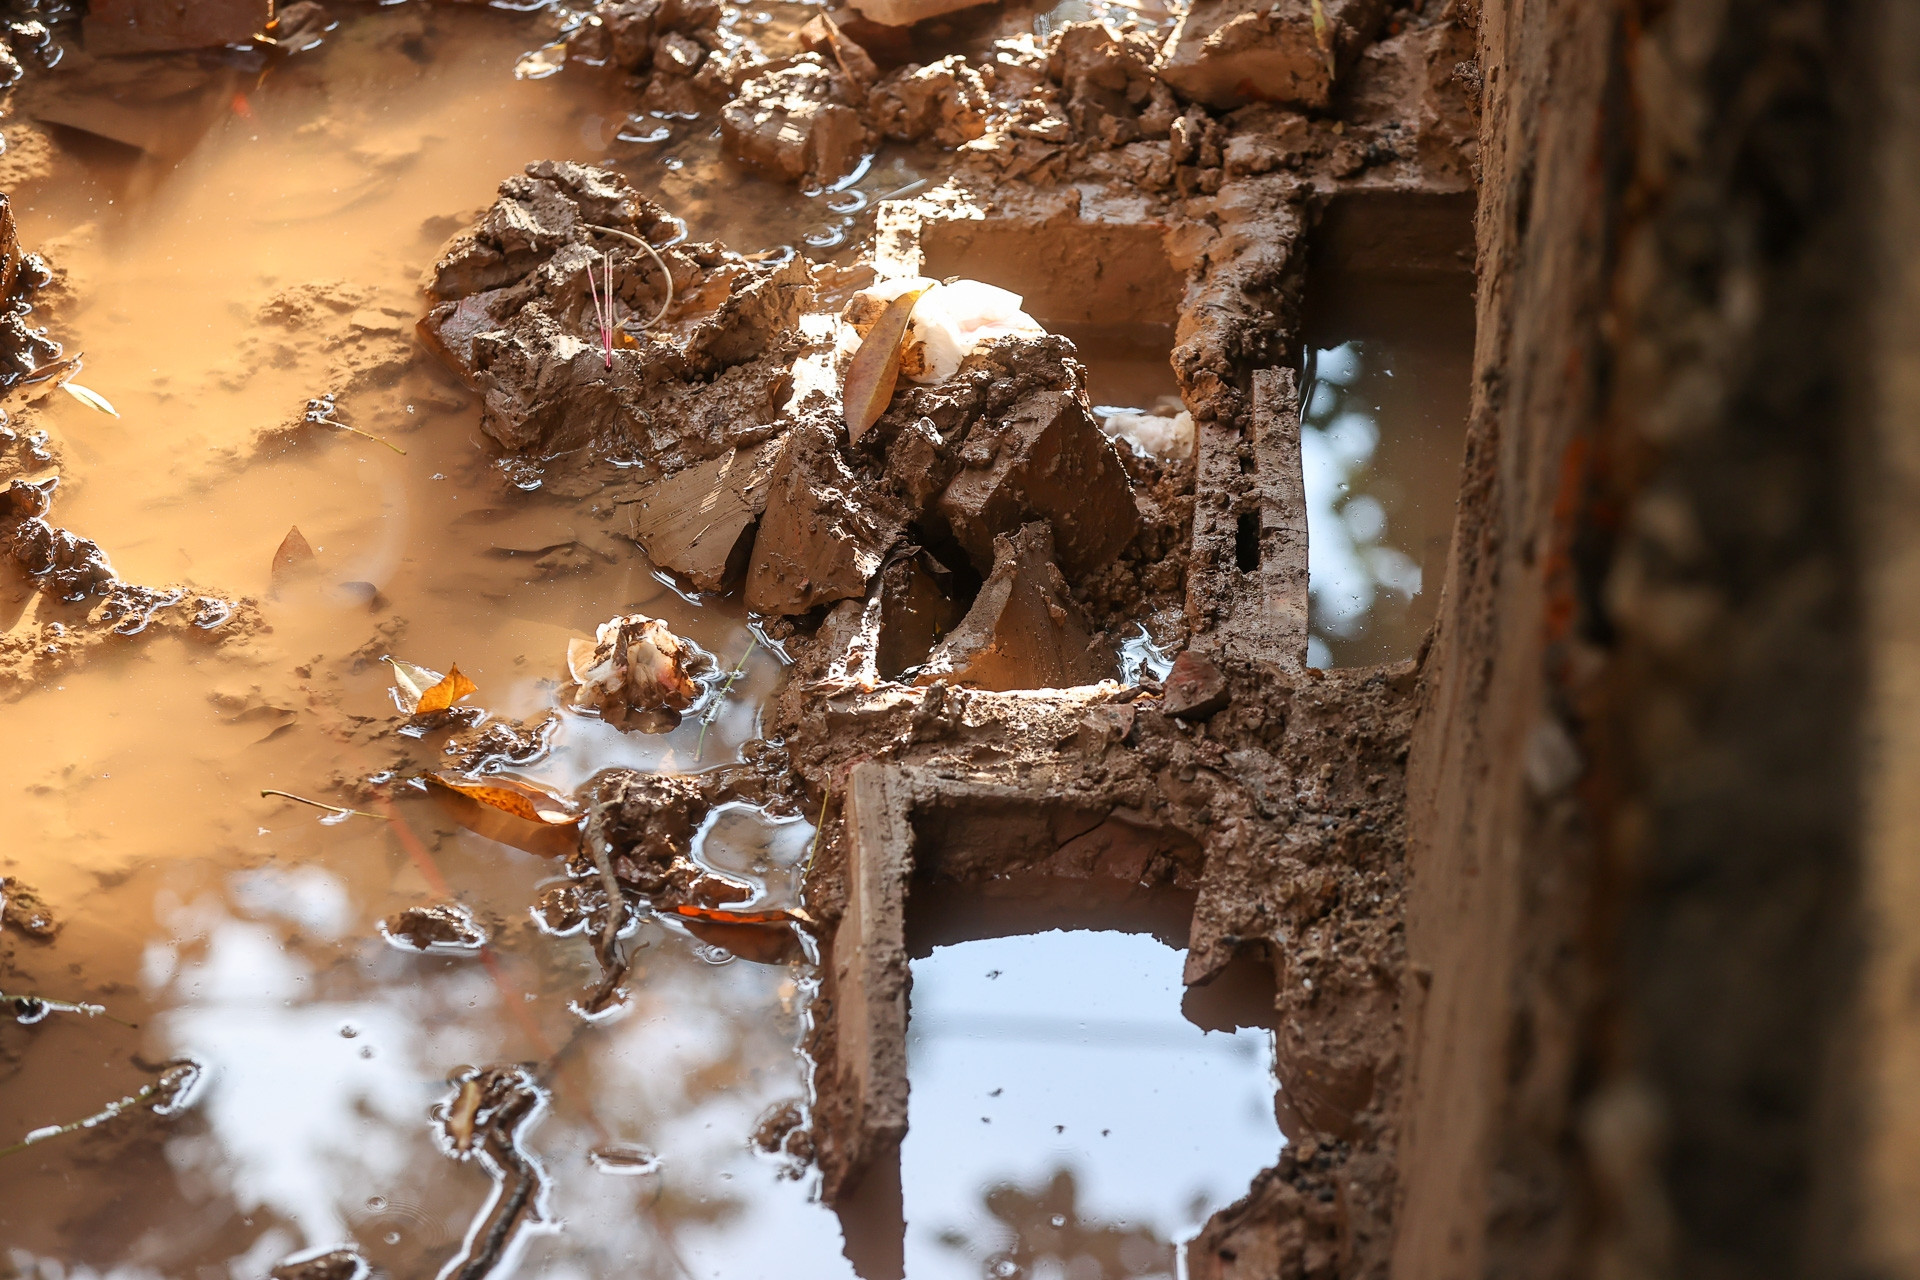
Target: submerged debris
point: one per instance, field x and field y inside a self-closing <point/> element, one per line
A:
<point x="172" y="1092"/>
<point x="22" y="911"/>
<point x="634" y="671"/>
<point x="446" y="928"/>
<point x="327" y="1262"/>
<point x="624" y="1159"/>
<point x="486" y="1119"/>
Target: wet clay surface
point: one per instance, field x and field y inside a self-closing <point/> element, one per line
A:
<point x="495" y="321"/>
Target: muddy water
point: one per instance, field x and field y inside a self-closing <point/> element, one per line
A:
<point x="277" y="262"/>
<point x="1388" y="367"/>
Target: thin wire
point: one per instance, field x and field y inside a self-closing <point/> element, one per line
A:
<point x="655" y="253"/>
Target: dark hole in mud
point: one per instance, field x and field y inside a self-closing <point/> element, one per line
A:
<point x="1386" y="367"/>
<point x="1066" y="1101"/>
<point x="1246" y="542"/>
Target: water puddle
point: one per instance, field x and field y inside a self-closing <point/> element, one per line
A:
<point x="1387" y="372"/>
<point x="1066" y="1118"/>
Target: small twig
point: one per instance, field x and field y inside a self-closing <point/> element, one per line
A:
<point x="806" y="868"/>
<point x="51" y="369"/>
<point x="33" y="1008"/>
<point x="320" y="414"/>
<point x="713" y="712"/>
<point x="655" y="254"/>
<point x="603" y="313"/>
<point x="175" y="1081"/>
<point x="331" y="808"/>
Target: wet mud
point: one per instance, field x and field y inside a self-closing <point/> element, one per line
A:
<point x="754" y="684"/>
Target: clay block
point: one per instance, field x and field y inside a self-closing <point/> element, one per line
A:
<point x="790" y="121"/>
<point x="1049" y="462"/>
<point x="818" y="542"/>
<point x="693" y="521"/>
<point x="150" y="26"/>
<point x="1195" y="688"/>
<point x="904" y="13"/>
<point x="1227" y="53"/>
<point x="1024" y="631"/>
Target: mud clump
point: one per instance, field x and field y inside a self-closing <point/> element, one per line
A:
<point x="23" y="350"/>
<point x="22" y="912"/>
<point x="444" y="929"/>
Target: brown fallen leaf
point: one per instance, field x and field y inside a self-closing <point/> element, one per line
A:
<point x="715" y="915"/>
<point x="876" y="366"/>
<point x="425" y="692"/>
<point x="293" y="553"/>
<point x="511" y="795"/>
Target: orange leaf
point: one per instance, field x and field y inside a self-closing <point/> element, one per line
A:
<point x="876" y="366"/>
<point x="785" y="915"/>
<point x="443" y="695"/>
<point x="510" y="795"/>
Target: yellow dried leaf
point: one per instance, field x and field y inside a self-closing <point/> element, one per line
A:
<point x="90" y="398"/>
<point x="876" y="366"/>
<point x="1323" y="35"/>
<point x="510" y="795"/>
<point x="443" y="695"/>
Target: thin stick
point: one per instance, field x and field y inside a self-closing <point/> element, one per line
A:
<point x="23" y="1005"/>
<point x="603" y="315"/>
<point x="818" y="827"/>
<point x="331" y="808"/>
<point x="168" y="1079"/>
<point x="323" y="421"/>
<point x="655" y="253"/>
<point x="713" y="712"/>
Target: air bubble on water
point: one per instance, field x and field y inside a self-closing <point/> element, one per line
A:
<point x="376" y="1203"/>
<point x="348" y="1031"/>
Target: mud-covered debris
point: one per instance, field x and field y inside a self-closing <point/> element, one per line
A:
<point x="446" y="928"/>
<point x="1112" y="96"/>
<point x="486" y="1119"/>
<point x="328" y="1262"/>
<point x="73" y="566"/>
<point x="1195" y="689"/>
<point x="693" y="522"/>
<point x="635" y="671"/>
<point x="1226" y="53"/>
<point x="946" y="101"/>
<point x="821" y="537"/>
<point x="1024" y="630"/>
<point x="22" y="911"/>
<point x="799" y="121"/>
<point x="631" y="34"/>
<point x="153" y="26"/>
<point x="1045" y="460"/>
<point x="822" y="35"/>
<point x="624" y="1159"/>
<point x="783" y="1131"/>
<point x="515" y="318"/>
<point x="300" y="26"/>
<point x="173" y="1090"/>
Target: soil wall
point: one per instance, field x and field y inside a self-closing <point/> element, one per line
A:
<point x="1657" y="838"/>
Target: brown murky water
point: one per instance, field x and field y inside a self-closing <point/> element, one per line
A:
<point x="275" y="263"/>
<point x="1389" y="364"/>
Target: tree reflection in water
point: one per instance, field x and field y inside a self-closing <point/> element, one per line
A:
<point x="1050" y="1240"/>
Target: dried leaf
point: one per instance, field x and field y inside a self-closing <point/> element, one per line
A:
<point x="446" y="693"/>
<point x="716" y="915"/>
<point x="1323" y="35"/>
<point x="90" y="398"/>
<point x="876" y="366"/>
<point x="510" y="795"/>
<point x="293" y="553"/>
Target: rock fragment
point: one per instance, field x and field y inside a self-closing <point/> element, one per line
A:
<point x="1024" y="630"/>
<point x="1046" y="460"/>
<point x="693" y="522"/>
<point x="820" y="540"/>
<point x="946" y="101"/>
<point x="1227" y="53"/>
<point x="797" y="121"/>
<point x="1195" y="689"/>
<point x="446" y="928"/>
